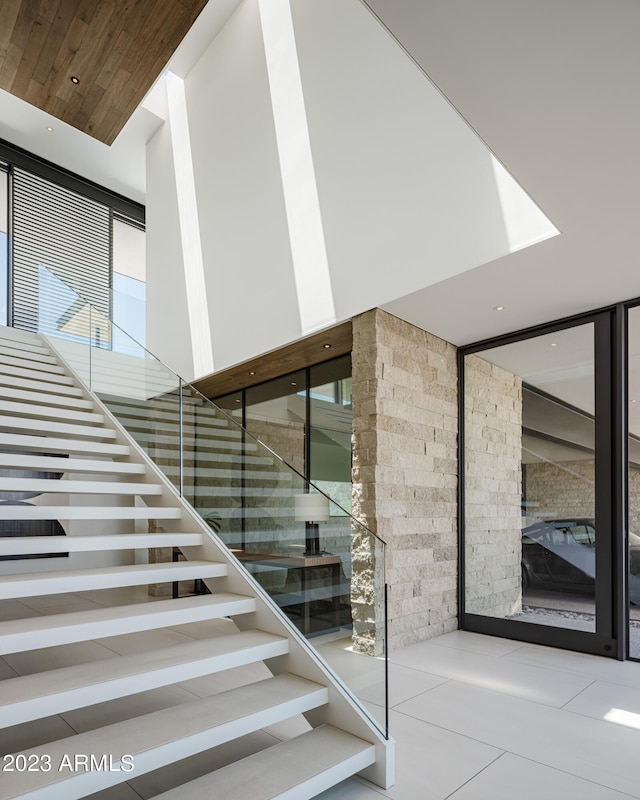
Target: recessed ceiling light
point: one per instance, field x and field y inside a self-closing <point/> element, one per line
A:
<point x="498" y="308"/>
<point x="553" y="344"/>
<point x="293" y="383"/>
<point x="252" y="372"/>
<point x="238" y="401"/>
<point x="49" y="128"/>
<point x="326" y="346"/>
<point x="634" y="401"/>
<point x="75" y="79"/>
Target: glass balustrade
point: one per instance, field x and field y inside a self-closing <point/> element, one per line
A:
<point x="318" y="564"/>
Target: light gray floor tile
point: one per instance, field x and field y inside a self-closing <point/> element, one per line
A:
<point x="353" y="789"/>
<point x="476" y="643"/>
<point x="67" y="606"/>
<point x="596" y="668"/>
<point x="6" y="671"/>
<point x="15" y="609"/>
<point x="144" y="640"/>
<point x="57" y="657"/>
<point x="617" y="704"/>
<point x="120" y="792"/>
<point x="227" y="679"/>
<point x="552" y="687"/>
<point x="124" y="595"/>
<point x="19" y="738"/>
<point x="404" y="683"/>
<point x="431" y="762"/>
<point x="101" y="714"/>
<point x="189" y="769"/>
<point x="208" y="628"/>
<point x="592" y="749"/>
<point x="59" y="603"/>
<point x="511" y="776"/>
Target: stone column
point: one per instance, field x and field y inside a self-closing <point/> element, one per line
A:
<point x="404" y="478"/>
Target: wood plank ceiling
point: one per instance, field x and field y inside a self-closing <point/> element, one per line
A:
<point x="115" y="48"/>
<point x="315" y="349"/>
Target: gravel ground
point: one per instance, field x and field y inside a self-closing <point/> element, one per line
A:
<point x="576" y="620"/>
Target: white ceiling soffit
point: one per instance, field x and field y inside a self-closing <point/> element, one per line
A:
<point x="552" y="89"/>
<point x="120" y="167"/>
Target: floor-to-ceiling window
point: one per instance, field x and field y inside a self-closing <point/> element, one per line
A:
<point x="72" y="244"/>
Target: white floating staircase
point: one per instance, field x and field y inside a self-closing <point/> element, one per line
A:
<point x="64" y="453"/>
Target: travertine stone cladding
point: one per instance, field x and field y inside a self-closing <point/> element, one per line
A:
<point x="405" y="476"/>
<point x="561" y="491"/>
<point x="493" y="484"/>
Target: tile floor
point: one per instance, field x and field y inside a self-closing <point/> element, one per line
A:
<point x="481" y="718"/>
<point x="474" y="717"/>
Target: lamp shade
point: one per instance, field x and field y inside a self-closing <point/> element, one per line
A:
<point x="311" y="508"/>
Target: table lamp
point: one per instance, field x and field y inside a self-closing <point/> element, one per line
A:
<point x="311" y="509"/>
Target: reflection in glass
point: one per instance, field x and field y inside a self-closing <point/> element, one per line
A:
<point x="129" y="286"/>
<point x="530" y="480"/>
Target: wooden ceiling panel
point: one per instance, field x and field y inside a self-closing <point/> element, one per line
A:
<point x="304" y="353"/>
<point x="117" y="48"/>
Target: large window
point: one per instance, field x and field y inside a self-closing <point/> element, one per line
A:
<point x="72" y="243"/>
<point x="306" y="418"/>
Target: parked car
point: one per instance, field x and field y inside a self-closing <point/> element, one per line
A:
<point x="561" y="555"/>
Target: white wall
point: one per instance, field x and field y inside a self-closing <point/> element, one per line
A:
<point x="407" y="192"/>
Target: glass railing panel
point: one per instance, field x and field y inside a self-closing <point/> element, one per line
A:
<point x="321" y="567"/>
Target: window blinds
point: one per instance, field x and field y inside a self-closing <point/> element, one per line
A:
<point x="61" y="245"/>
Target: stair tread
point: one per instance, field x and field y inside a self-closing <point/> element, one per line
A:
<point x="22" y="382"/>
<point x="15" y="512"/>
<point x="66" y="688"/>
<point x="41" y="583"/>
<point x="30" y="633"/>
<point x="266" y="775"/>
<point x="54" y="412"/>
<point x="45" y="426"/>
<point x="46" y="444"/>
<point x="32" y="353"/>
<point x="51" y="378"/>
<point x="14" y="393"/>
<point x="46" y="485"/>
<point x="24" y="545"/>
<point x="60" y="464"/>
<point x="168" y="735"/>
<point x="24" y="362"/>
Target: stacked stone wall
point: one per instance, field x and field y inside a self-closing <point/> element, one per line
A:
<point x="493" y="487"/>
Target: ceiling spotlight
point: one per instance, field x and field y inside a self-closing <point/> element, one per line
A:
<point x="553" y="344"/>
<point x="49" y="128"/>
<point x="75" y="80"/>
<point x="634" y="401"/>
<point x="238" y="401"/>
<point x="293" y="383"/>
<point x="498" y="308"/>
<point x="252" y="372"/>
<point x="326" y="346"/>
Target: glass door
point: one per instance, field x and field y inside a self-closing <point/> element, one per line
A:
<point x="633" y="480"/>
<point x="537" y="487"/>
